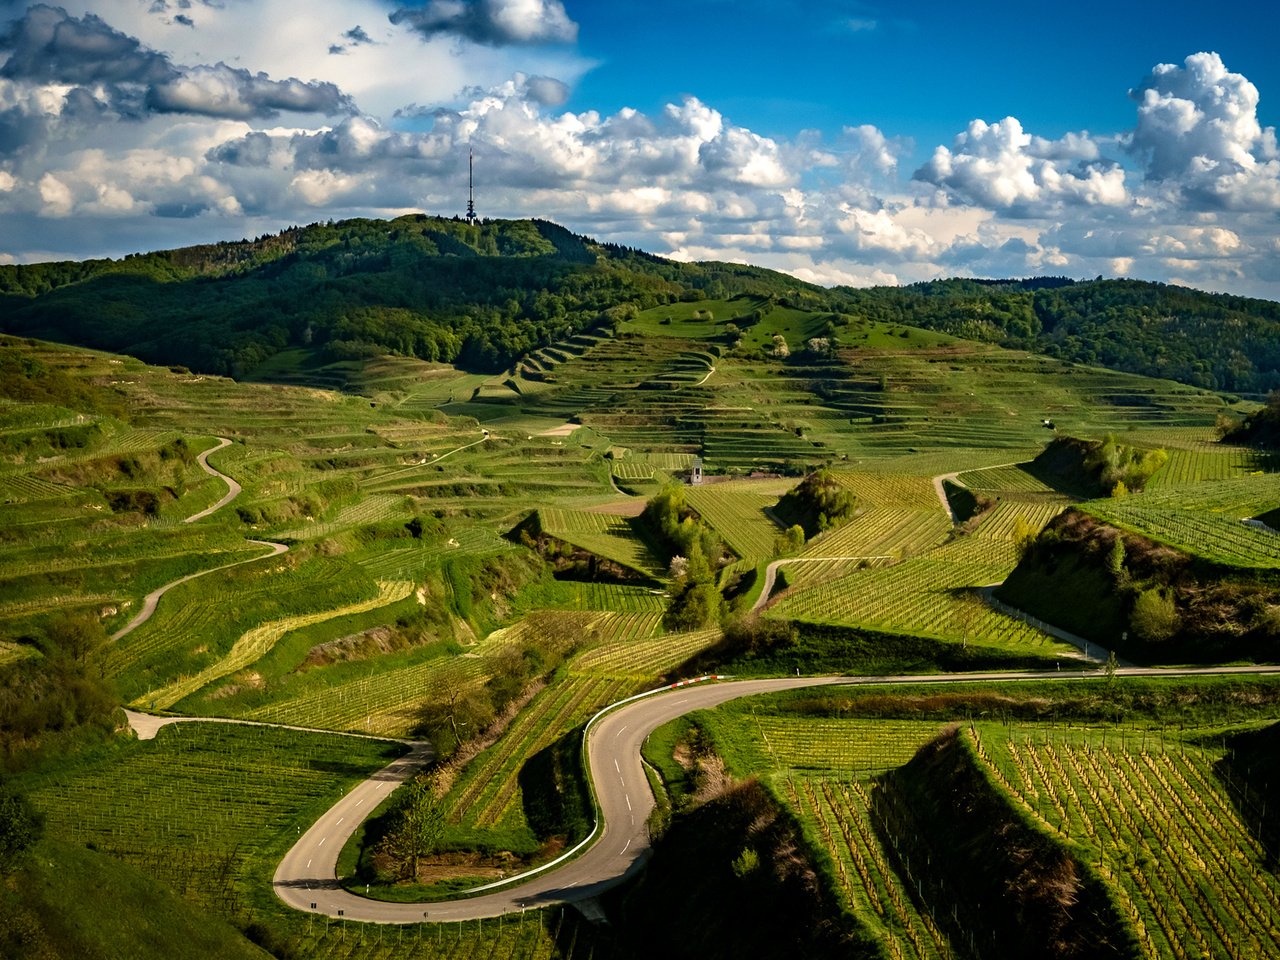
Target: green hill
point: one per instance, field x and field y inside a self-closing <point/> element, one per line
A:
<point x="485" y="295"/>
<point x="427" y="287"/>
<point x="67" y="901"/>
<point x="1208" y="340"/>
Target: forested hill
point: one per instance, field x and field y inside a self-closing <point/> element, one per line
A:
<point x="1209" y="340"/>
<point x="439" y="289"/>
<point x="482" y="295"/>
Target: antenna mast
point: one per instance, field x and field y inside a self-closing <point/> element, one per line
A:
<point x="471" y="186"/>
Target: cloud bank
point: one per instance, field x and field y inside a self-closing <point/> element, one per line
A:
<point x="117" y="134"/>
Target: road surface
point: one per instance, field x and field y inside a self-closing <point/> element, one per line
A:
<point x="307" y="874"/>
<point x="771" y="573"/>
<point x="233" y="488"/>
<point x="150" y="601"/>
<point x="147" y="725"/>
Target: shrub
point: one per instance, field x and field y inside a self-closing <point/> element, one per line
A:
<point x="1154" y="616"/>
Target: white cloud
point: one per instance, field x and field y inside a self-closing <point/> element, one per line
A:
<point x="1198" y="134"/>
<point x="85" y="169"/>
<point x="56" y="196"/>
<point x="999" y="166"/>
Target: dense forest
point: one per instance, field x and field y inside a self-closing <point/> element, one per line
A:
<point x="477" y="295"/>
<point x="1215" y="341"/>
<point x="482" y="295"/>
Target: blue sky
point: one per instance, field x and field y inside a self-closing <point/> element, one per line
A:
<point x="844" y="142"/>
<point x="921" y="70"/>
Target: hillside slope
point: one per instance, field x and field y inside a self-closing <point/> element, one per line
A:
<point x="1208" y="340"/>
<point x="484" y="295"/>
<point x="428" y="287"/>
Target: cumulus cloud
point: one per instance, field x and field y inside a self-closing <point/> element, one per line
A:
<point x="61" y="66"/>
<point x="231" y="151"/>
<point x="1198" y="133"/>
<point x="48" y="45"/>
<point x="492" y="22"/>
<point x="222" y="91"/>
<point x="999" y="166"/>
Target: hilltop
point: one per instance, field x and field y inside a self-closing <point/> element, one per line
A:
<point x="482" y="296"/>
<point x="427" y="287"/>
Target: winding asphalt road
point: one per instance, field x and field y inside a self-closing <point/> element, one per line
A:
<point x="306" y="880"/>
<point x="150" y="601"/>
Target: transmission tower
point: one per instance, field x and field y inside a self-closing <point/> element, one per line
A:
<point x="471" y="186"/>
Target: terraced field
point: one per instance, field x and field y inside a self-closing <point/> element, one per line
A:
<point x="402" y="586"/>
<point x="1146" y="809"/>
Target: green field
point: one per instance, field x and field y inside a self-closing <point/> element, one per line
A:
<point x="400" y="488"/>
<point x="1143" y="802"/>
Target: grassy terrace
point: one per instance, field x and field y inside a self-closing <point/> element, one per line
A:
<point x="395" y="485"/>
<point x="1141" y="800"/>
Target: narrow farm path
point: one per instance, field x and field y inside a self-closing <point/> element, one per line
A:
<point x="771" y="573"/>
<point x="941" y="491"/>
<point x="465" y="446"/>
<point x="706" y="378"/>
<point x="233" y="488"/>
<point x="147" y="725"/>
<point x="150" y="601"/>
<point x="619" y="845"/>
<point x="942" y="478"/>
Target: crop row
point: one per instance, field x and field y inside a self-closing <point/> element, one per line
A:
<point x="566" y="629"/>
<point x="1214" y="537"/>
<point x="805" y="572"/>
<point x="256" y="642"/>
<point x="632" y="470"/>
<point x="644" y="658"/>
<point x="845" y="745"/>
<point x="374" y="508"/>
<point x="884" y="531"/>
<point x="385" y="703"/>
<point x="891" y="490"/>
<point x="192" y="805"/>
<point x="557" y="934"/>
<point x="840" y="814"/>
<point x="1192" y="876"/>
<point x="603" y="534"/>
<point x="739" y="518"/>
<point x="1007" y="478"/>
<point x="1002" y="522"/>
<point x="489" y="785"/>
<point x="924" y="596"/>
<point x="1197" y="466"/>
<point x="25" y="488"/>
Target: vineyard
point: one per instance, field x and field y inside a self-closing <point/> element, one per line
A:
<point x="397" y="483"/>
<point x="194" y="806"/>
<point x="1148" y="810"/>
<point x="1224" y="539"/>
<point x="600" y="533"/>
<point x="1193" y="878"/>
<point x="739" y="518"/>
<point x="933" y="595"/>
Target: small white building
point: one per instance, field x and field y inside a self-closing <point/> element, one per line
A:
<point x="695" y="472"/>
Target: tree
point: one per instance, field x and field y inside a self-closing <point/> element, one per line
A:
<point x="20" y="827"/>
<point x="1155" y="616"/>
<point x="780" y="349"/>
<point x="417" y="827"/>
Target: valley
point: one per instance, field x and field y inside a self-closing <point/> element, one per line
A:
<point x="457" y="567"/>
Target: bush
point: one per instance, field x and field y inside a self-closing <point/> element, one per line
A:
<point x="1154" y="616"/>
